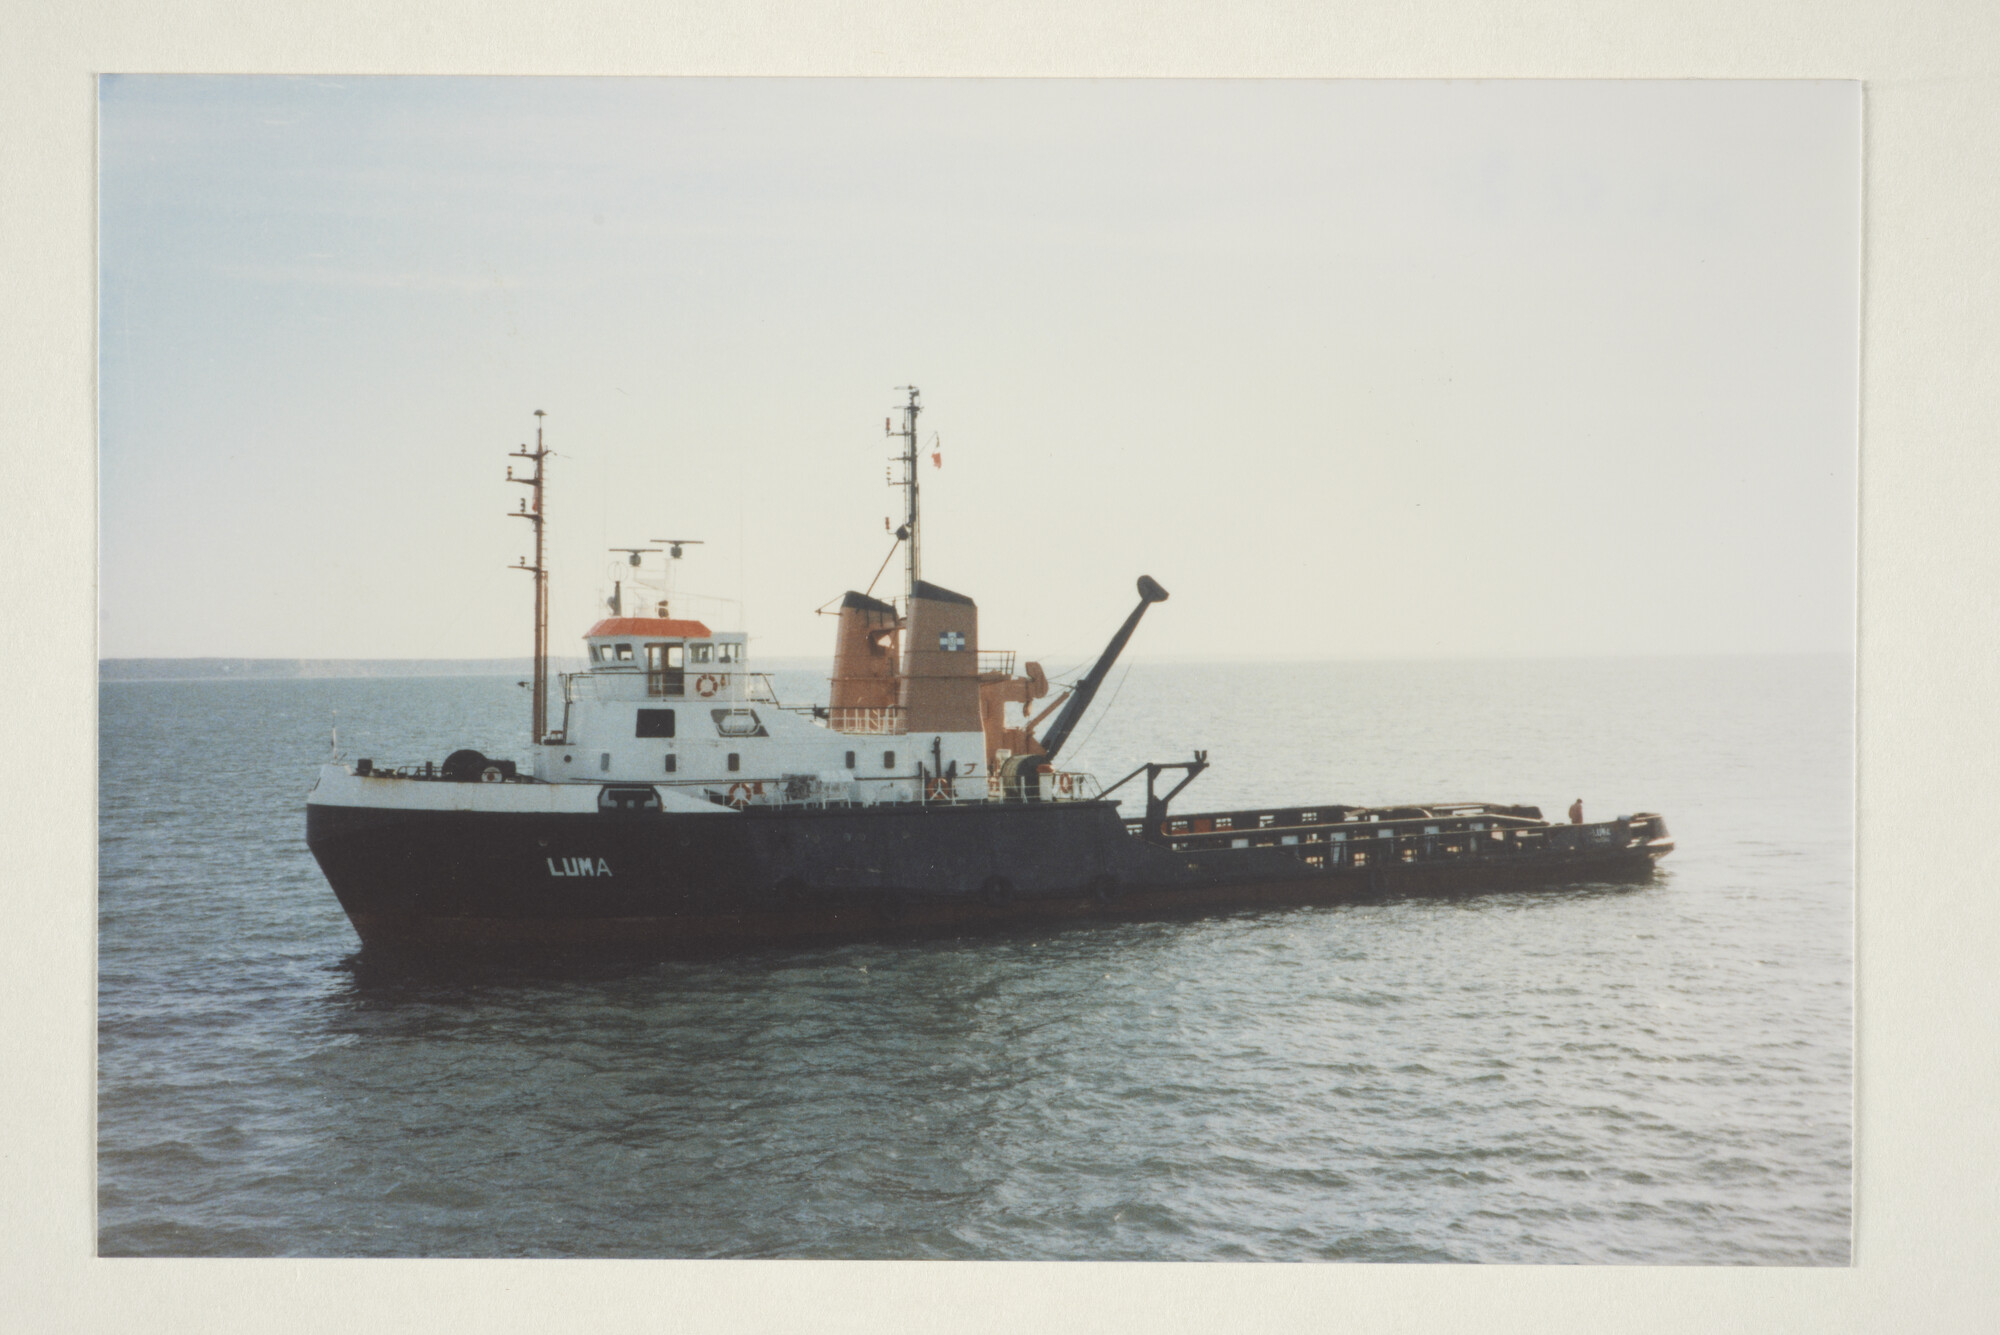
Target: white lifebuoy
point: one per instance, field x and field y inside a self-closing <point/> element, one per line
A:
<point x="491" y="774"/>
<point x="707" y="684"/>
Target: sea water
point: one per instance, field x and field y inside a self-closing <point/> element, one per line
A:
<point x="1654" y="1073"/>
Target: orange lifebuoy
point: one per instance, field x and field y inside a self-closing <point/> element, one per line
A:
<point x="707" y="684"/>
<point x="940" y="790"/>
<point x="1065" y="783"/>
<point x="740" y="794"/>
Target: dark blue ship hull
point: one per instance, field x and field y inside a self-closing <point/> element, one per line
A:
<point x="669" y="883"/>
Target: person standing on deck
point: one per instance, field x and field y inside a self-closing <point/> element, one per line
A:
<point x="1576" y="812"/>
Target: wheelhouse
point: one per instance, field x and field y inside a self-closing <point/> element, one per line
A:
<point x="676" y="657"/>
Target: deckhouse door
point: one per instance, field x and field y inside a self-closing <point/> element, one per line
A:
<point x="666" y="672"/>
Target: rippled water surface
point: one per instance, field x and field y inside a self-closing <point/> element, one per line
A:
<point x="1650" y="1073"/>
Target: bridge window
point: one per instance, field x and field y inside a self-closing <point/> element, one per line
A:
<point x="729" y="653"/>
<point x="624" y="653"/>
<point x="655" y="723"/>
<point x="700" y="652"/>
<point x="597" y="653"/>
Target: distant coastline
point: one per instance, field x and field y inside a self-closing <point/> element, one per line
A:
<point x="289" y="669"/>
<point x="270" y="669"/>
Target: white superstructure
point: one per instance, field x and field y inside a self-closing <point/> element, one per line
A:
<point x="916" y="713"/>
<point x="668" y="702"/>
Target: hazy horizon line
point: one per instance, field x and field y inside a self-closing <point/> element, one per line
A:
<point x="795" y="660"/>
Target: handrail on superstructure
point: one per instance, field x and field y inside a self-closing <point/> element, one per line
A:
<point x="868" y="720"/>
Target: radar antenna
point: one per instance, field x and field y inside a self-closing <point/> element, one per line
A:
<point x="674" y="546"/>
<point x="616" y="602"/>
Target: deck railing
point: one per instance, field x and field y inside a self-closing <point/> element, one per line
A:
<point x="740" y="790"/>
<point x="504" y="771"/>
<point x="1348" y="837"/>
<point x="725" y="686"/>
<point x="868" y="721"/>
<point x="1052" y="786"/>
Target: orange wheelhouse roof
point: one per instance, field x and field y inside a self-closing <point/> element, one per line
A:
<point x="642" y="627"/>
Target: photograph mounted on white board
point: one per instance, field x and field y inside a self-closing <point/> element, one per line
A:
<point x="1318" y="726"/>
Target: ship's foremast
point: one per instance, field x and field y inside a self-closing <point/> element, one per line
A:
<point x="531" y="510"/>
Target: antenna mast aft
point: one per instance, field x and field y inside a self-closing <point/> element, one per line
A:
<point x="913" y="569"/>
<point x="531" y="510"/>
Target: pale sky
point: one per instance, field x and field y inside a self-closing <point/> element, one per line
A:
<point x="1354" y="369"/>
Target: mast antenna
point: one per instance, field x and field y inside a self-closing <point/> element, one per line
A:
<point x="531" y="510"/>
<point x="674" y="546"/>
<point x="913" y="568"/>
<point x="616" y="602"/>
